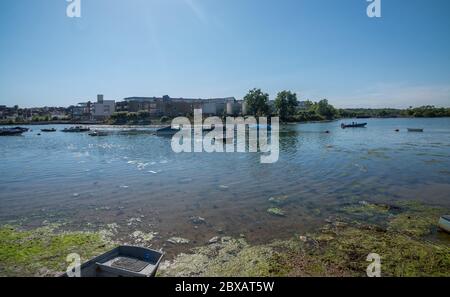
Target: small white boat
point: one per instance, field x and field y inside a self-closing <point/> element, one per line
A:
<point x="98" y="133"/>
<point x="444" y="223"/>
<point x="123" y="261"/>
<point x="76" y="129"/>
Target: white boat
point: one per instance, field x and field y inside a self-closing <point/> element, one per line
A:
<point x="98" y="133"/>
<point x="444" y="223"/>
<point x="76" y="129"/>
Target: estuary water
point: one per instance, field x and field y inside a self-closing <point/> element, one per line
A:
<point x="135" y="182"/>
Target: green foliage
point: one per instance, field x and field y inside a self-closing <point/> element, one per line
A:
<point x="257" y="102"/>
<point x="428" y="111"/>
<point x="285" y="105"/>
<point x="133" y="118"/>
<point x="316" y="111"/>
<point x="324" y="109"/>
<point x="370" y="113"/>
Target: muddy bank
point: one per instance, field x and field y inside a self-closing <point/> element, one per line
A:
<point x="405" y="235"/>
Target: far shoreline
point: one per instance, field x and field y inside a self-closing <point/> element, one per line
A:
<point x="158" y="125"/>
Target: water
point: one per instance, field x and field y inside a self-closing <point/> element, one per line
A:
<point x="137" y="182"/>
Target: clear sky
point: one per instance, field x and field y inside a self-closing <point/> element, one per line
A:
<point x="219" y="48"/>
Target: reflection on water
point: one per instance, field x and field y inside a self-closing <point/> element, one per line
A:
<point x="136" y="181"/>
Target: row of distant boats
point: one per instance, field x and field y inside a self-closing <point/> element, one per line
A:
<point x="166" y="131"/>
<point x="21" y="130"/>
<point x="363" y="125"/>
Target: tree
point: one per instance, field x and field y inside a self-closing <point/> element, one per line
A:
<point x="119" y="118"/>
<point x="323" y="108"/>
<point x="144" y="117"/>
<point x="257" y="102"/>
<point x="286" y="104"/>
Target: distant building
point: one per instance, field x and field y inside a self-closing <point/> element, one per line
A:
<point x="9" y="113"/>
<point x="88" y="111"/>
<point x="82" y="111"/>
<point x="167" y="106"/>
<point x="103" y="109"/>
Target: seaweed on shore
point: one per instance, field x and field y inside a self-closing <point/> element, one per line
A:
<point x="339" y="248"/>
<point x="43" y="251"/>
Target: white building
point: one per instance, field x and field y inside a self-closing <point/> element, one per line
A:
<point x="103" y="109"/>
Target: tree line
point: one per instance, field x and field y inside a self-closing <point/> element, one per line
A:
<point x="289" y="109"/>
<point x="286" y="106"/>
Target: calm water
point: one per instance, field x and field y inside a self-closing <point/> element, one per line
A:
<point x="137" y="181"/>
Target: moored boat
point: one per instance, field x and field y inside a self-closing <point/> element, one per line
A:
<point x="415" y="130"/>
<point x="22" y="129"/>
<point x="167" y="131"/>
<point x="98" y="133"/>
<point x="11" y="131"/>
<point x="353" y="125"/>
<point x="123" y="261"/>
<point x="444" y="223"/>
<point x="48" y="130"/>
<point x="76" y="129"/>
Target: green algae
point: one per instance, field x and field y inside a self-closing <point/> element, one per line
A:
<point x="276" y="211"/>
<point x="230" y="257"/>
<point x="400" y="254"/>
<point x="365" y="208"/>
<point x="413" y="225"/>
<point x="143" y="237"/>
<point x="43" y="251"/>
<point x="416" y="219"/>
<point x="338" y="249"/>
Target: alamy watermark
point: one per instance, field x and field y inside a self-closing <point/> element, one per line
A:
<point x="374" y="9"/>
<point x="73" y="9"/>
<point x="374" y="268"/>
<point x="74" y="268"/>
<point x="220" y="137"/>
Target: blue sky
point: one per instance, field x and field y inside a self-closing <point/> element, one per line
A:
<point x="216" y="48"/>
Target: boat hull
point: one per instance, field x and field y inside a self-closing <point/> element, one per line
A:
<point x="11" y="132"/>
<point x="123" y="261"/>
<point x="444" y="223"/>
<point x="363" y="125"/>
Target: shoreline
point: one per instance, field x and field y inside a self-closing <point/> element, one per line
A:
<point x="156" y="125"/>
<point x="409" y="244"/>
